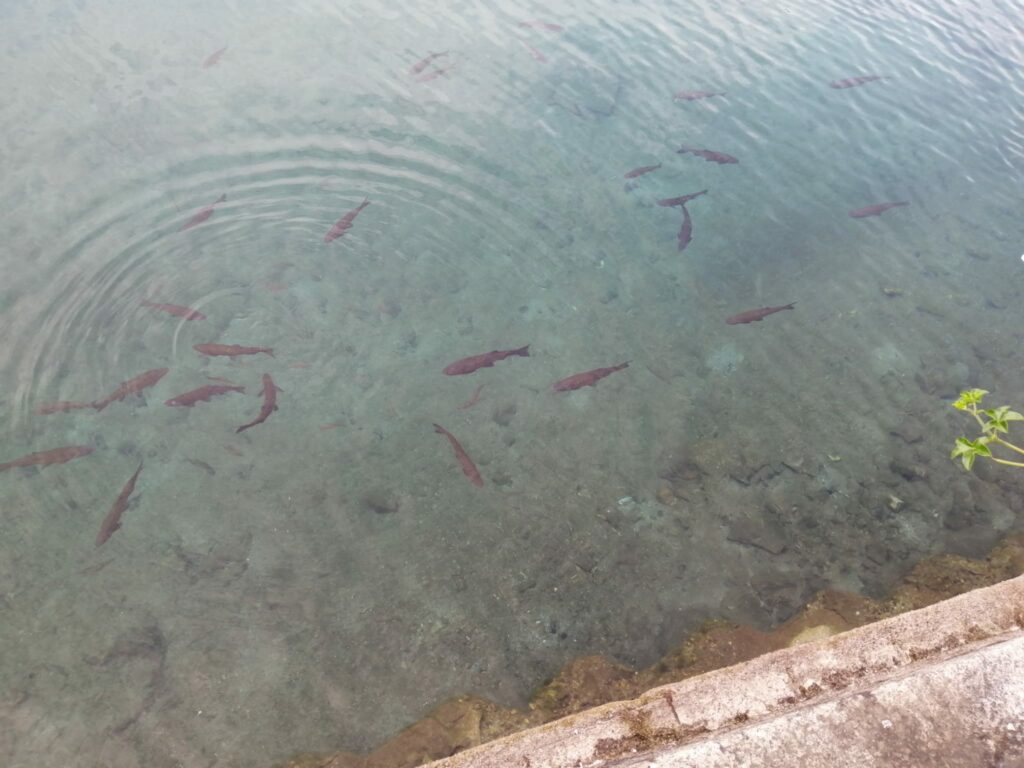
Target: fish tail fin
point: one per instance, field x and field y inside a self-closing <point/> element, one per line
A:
<point x="267" y="352"/>
<point x="223" y="198"/>
<point x="440" y="430"/>
<point x="243" y="428"/>
<point x="624" y="365"/>
<point x="790" y="306"/>
<point x="522" y="351"/>
<point x="99" y="405"/>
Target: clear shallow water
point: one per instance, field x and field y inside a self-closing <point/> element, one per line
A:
<point x="324" y="578"/>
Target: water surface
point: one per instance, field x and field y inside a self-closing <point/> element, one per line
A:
<point x="324" y="578"/>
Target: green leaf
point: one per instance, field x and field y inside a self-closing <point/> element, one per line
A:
<point x="1013" y="416"/>
<point x="968" y="460"/>
<point x="962" y="448"/>
<point x="965" y="447"/>
<point x="996" y="425"/>
<point x="969" y="397"/>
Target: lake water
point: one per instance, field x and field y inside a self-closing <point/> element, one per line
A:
<point x="322" y="579"/>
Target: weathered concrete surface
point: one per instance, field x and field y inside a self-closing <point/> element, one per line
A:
<point x="940" y="686"/>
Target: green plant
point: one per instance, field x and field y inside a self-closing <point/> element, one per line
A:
<point x="993" y="422"/>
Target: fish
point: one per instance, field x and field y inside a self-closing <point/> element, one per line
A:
<point x="682" y="200"/>
<point x="710" y="155"/>
<point x="132" y="387"/>
<point x="468" y="467"/>
<point x="202" y="214"/>
<point x="46" y="458"/>
<point x="202" y="394"/>
<point x="473" y="400"/>
<point x="534" y="52"/>
<point x="230" y="350"/>
<point x="852" y="82"/>
<point x="423" y="63"/>
<point x="542" y="25"/>
<point x="686" y="230"/>
<point x="641" y="171"/>
<point x="486" y="360"/>
<point x="344" y="224"/>
<point x="434" y="74"/>
<point x="756" y="315"/>
<point x="875" y="210"/>
<point x="61" y="407"/>
<point x="113" y="519"/>
<point x="174" y="309"/>
<point x="214" y="57"/>
<point x="95" y="567"/>
<point x="270" y="391"/>
<point x="694" y="95"/>
<point x="199" y="464"/>
<point x="587" y="378"/>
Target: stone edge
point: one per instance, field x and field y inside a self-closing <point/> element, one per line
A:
<point x="760" y="689"/>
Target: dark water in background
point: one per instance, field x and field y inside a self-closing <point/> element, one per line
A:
<point x="322" y="579"/>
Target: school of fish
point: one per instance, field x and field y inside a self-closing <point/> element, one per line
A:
<point x="428" y="68"/>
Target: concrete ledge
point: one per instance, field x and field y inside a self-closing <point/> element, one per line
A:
<point x="940" y="686"/>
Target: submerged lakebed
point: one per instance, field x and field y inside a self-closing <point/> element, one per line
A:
<point x="726" y="268"/>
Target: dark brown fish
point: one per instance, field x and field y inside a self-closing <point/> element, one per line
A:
<point x="423" y="63"/>
<point x="230" y="350"/>
<point x="132" y="387"/>
<point x="694" y="95"/>
<point x="202" y="394"/>
<point x="344" y="224"/>
<point x="61" y="407"/>
<point x="875" y="210"/>
<point x="113" y="519"/>
<point x="710" y="155"/>
<point x="852" y="82"/>
<point x="686" y="230"/>
<point x="755" y="315"/>
<point x="671" y="202"/>
<point x="177" y="310"/>
<point x="486" y="360"/>
<point x="214" y="57"/>
<point x="587" y="378"/>
<point x="468" y="467"/>
<point x="202" y="214"/>
<point x="270" y="391"/>
<point x="46" y="458"/>
<point x="642" y="170"/>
